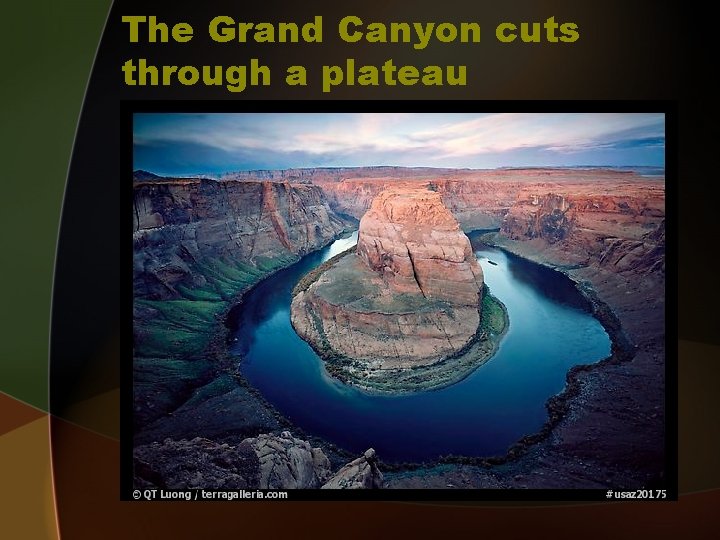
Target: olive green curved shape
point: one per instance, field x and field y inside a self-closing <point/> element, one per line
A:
<point x="47" y="49"/>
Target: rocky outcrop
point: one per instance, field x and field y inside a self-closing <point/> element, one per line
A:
<point x="198" y="463"/>
<point x="264" y="462"/>
<point x="361" y="473"/>
<point x="411" y="239"/>
<point x="410" y="295"/>
<point x="287" y="462"/>
<point x="181" y="223"/>
<point x="380" y="330"/>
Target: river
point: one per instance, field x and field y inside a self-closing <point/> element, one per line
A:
<point x="551" y="329"/>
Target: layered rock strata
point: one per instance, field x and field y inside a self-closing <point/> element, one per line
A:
<point x="620" y="227"/>
<point x="411" y="239"/>
<point x="480" y="199"/>
<point x="179" y="223"/>
<point x="408" y="297"/>
<point x="198" y="244"/>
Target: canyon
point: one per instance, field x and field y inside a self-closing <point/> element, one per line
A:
<point x="199" y="243"/>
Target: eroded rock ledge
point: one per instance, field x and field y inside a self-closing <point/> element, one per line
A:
<point x="409" y="297"/>
<point x="267" y="461"/>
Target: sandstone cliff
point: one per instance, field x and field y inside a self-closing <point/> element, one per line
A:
<point x="615" y="225"/>
<point x="409" y="297"/>
<point x="479" y="199"/>
<point x="182" y="223"/>
<point x="287" y="462"/>
<point x="600" y="217"/>
<point x="412" y="240"/>
<point x="476" y="202"/>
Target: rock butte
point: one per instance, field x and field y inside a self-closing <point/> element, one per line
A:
<point x="410" y="295"/>
<point x="411" y="238"/>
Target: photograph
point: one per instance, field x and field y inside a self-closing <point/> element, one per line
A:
<point x="456" y="304"/>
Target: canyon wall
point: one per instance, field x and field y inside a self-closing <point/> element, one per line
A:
<point x="336" y="174"/>
<point x="181" y="223"/>
<point x="619" y="226"/>
<point x="609" y="218"/>
<point x="477" y="199"/>
<point x="475" y="203"/>
<point x="197" y="244"/>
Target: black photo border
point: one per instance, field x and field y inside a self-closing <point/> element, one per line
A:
<point x="668" y="107"/>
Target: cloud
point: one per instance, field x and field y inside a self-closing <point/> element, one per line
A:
<point x="555" y="133"/>
<point x="404" y="138"/>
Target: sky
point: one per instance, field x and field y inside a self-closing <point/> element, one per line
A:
<point x="213" y="143"/>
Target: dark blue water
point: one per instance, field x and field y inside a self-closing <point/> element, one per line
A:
<point x="550" y="331"/>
